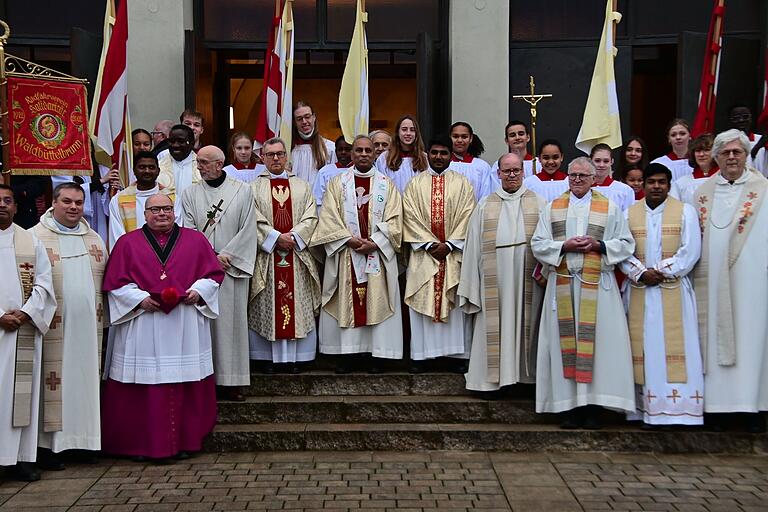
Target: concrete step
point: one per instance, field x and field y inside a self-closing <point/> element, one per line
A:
<point x="327" y="383"/>
<point x="379" y="409"/>
<point x="475" y="436"/>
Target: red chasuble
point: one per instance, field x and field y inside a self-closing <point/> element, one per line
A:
<point x="140" y="258"/>
<point x="437" y="212"/>
<point x="699" y="174"/>
<point x="360" y="293"/>
<point x="282" y="220"/>
<point x="558" y="175"/>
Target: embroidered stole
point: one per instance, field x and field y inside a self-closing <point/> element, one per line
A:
<point x="126" y="201"/>
<point x="749" y="204"/>
<point x="671" y="293"/>
<point x="360" y="288"/>
<point x="282" y="220"/>
<point x="530" y="210"/>
<point x="53" y="341"/>
<point x="25" y="336"/>
<point x="578" y="345"/>
<point x="437" y="216"/>
<point x="376" y="194"/>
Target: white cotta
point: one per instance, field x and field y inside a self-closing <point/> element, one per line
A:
<point x="244" y="175"/>
<point x="402" y="176"/>
<point x="325" y="175"/>
<point x="478" y="172"/>
<point x="620" y="193"/>
<point x="548" y="190"/>
<point x="303" y="163"/>
<point x="679" y="167"/>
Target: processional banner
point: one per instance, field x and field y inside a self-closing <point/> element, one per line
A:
<point x="48" y="128"/>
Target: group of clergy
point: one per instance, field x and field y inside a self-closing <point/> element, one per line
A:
<point x="207" y="271"/>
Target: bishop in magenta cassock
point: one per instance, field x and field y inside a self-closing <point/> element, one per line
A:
<point x="159" y="400"/>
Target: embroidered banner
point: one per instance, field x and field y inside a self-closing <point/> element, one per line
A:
<point x="48" y="128"/>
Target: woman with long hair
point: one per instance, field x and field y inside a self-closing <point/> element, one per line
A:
<point x="633" y="154"/>
<point x="244" y="164"/>
<point x="309" y="150"/>
<point x="466" y="150"/>
<point x="405" y="156"/>
<point x="678" y="136"/>
<point x="618" y="192"/>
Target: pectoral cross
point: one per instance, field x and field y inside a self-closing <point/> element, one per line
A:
<point x="533" y="100"/>
<point x="212" y="214"/>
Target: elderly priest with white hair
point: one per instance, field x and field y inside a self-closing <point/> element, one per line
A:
<point x="731" y="284"/>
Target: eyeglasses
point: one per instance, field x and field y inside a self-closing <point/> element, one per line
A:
<point x="517" y="171"/>
<point x="275" y="154"/>
<point x="157" y="209"/>
<point x="577" y="176"/>
<point x="306" y="117"/>
<point x="734" y="152"/>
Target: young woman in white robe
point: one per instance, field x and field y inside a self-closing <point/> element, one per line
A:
<point x="245" y="166"/>
<point x="618" y="192"/>
<point x="704" y="167"/>
<point x="465" y="159"/>
<point x="678" y="136"/>
<point x="406" y="157"/>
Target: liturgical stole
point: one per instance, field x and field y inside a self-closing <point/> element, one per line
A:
<point x="26" y="259"/>
<point x="671" y="293"/>
<point x="282" y="220"/>
<point x="530" y="208"/>
<point x="578" y="353"/>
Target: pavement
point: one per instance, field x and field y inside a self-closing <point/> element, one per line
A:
<point x="404" y="481"/>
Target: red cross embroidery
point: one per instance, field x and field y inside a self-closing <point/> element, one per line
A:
<point x="99" y="312"/>
<point x="26" y="266"/>
<point x="674" y="396"/>
<point x="52" y="256"/>
<point x="52" y="381"/>
<point x="697" y="396"/>
<point x="55" y="321"/>
<point x="96" y="252"/>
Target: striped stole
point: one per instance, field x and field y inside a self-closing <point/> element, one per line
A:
<point x="578" y="345"/>
<point x="126" y="201"/>
<point x="671" y="293"/>
<point x="25" y="336"/>
<point x="491" y="213"/>
<point x="53" y="341"/>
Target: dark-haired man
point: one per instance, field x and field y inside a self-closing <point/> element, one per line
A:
<point x="662" y="306"/>
<point x="27" y="306"/>
<point x="178" y="167"/>
<point x="437" y="205"/>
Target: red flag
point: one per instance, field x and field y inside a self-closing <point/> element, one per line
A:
<point x="109" y="114"/>
<point x="705" y="115"/>
<point x="762" y="121"/>
<point x="268" y="122"/>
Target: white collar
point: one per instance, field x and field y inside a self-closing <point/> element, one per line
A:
<point x="580" y="200"/>
<point x="362" y="174"/>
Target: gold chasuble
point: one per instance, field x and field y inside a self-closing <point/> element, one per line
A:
<point x="53" y="340"/>
<point x="285" y="289"/>
<point x="360" y="290"/>
<point x="436" y="208"/>
<point x="578" y="350"/>
<point x="671" y="292"/>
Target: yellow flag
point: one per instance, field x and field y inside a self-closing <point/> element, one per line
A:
<point x="601" y="123"/>
<point x="353" y="96"/>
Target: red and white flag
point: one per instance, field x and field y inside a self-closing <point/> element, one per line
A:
<point x="705" y="114"/>
<point x="762" y="120"/>
<point x="276" y="104"/>
<point x="109" y="122"/>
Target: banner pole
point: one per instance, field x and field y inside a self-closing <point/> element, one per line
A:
<point x="6" y="169"/>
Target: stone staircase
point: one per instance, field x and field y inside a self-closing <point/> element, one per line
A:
<point x="320" y="410"/>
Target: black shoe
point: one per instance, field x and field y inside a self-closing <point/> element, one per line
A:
<point x="295" y="369"/>
<point x="715" y="422"/>
<point x="755" y="423"/>
<point x="591" y="417"/>
<point x="268" y="369"/>
<point x="83" y="456"/>
<point x="417" y="367"/>
<point x="459" y="367"/>
<point x="375" y="369"/>
<point x="48" y="460"/>
<point x="342" y="369"/>
<point x="25" y="472"/>
<point x="140" y="459"/>
<point x="573" y="420"/>
<point x="182" y="455"/>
